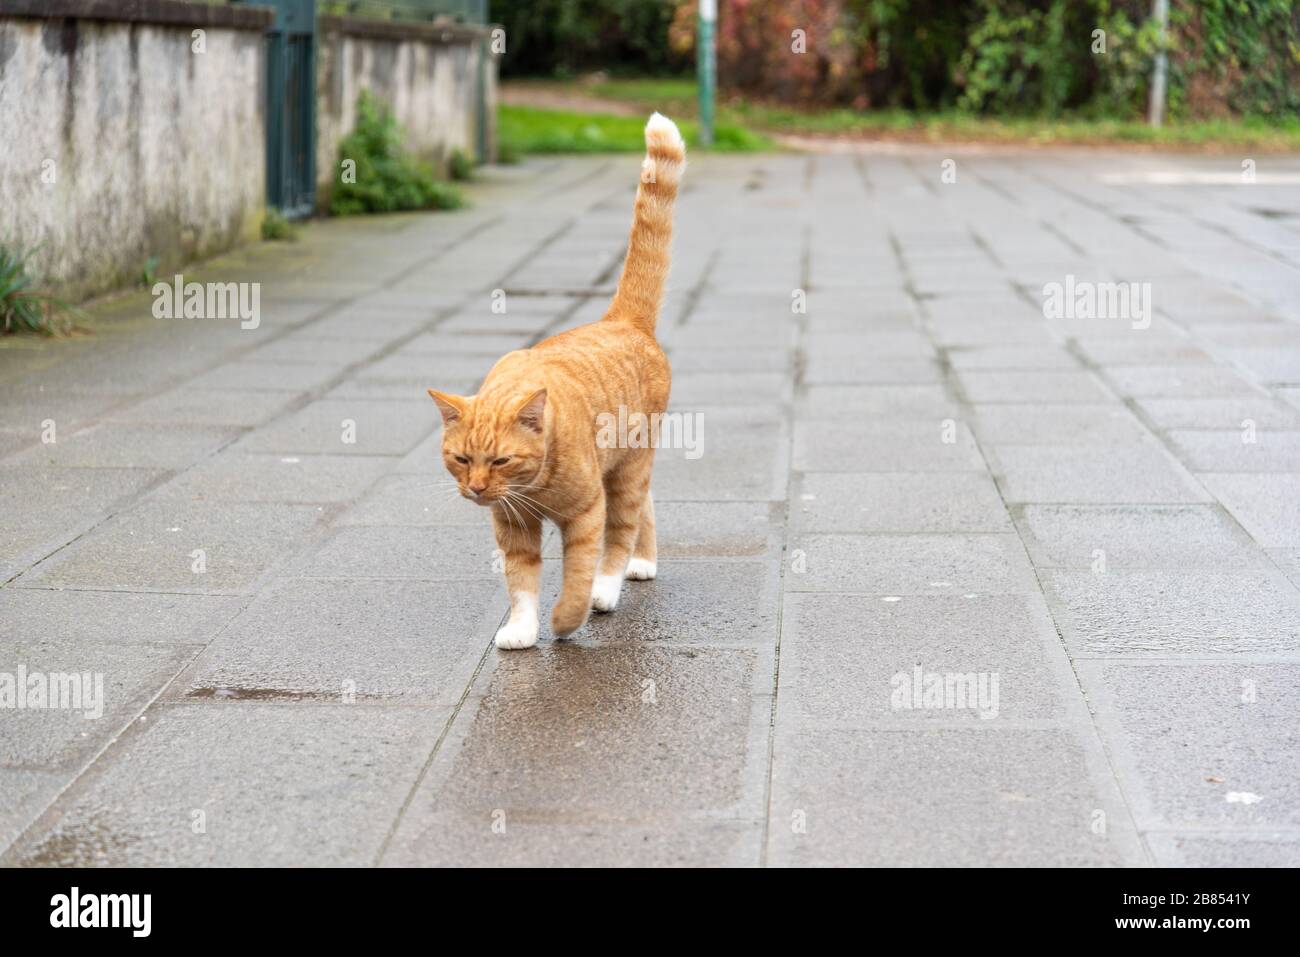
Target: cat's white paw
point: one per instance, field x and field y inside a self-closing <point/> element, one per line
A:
<point x="604" y="592"/>
<point x="641" y="569"/>
<point x="517" y="634"/>
<point x="521" y="630"/>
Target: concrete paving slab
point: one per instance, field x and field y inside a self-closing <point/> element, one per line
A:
<point x="191" y="407"/>
<point x="1187" y="381"/>
<point x="1167" y="613"/>
<point x="467" y="840"/>
<point x="1140" y="351"/>
<point x="23" y="795"/>
<point x="694" y="389"/>
<point x="675" y="742"/>
<point x="750" y="360"/>
<point x="439" y="344"/>
<point x="918" y="445"/>
<point x="1268" y="506"/>
<point x="858" y="660"/>
<point x="372" y="328"/>
<point x="152" y="547"/>
<point x="1021" y="357"/>
<point x="1050" y="424"/>
<point x="981" y="798"/>
<point x="82" y="618"/>
<point x="869" y="368"/>
<point x="376" y="640"/>
<point x="1137" y="537"/>
<point x="1245" y="449"/>
<point x="78" y="697"/>
<point x="430" y="368"/>
<point x="1202" y="745"/>
<point x="875" y="402"/>
<point x="1232" y="849"/>
<point x="1221" y="413"/>
<point x="61" y="503"/>
<point x="374" y="427"/>
<point x="899" y="502"/>
<point x="232" y="476"/>
<point x="304" y="347"/>
<point x="253" y="375"/>
<point x="894" y="565"/>
<point x="894" y="341"/>
<point x="1057" y="385"/>
<point x="1136" y="474"/>
<point x="127" y="447"/>
<point x="243" y="784"/>
<point x="738" y="454"/>
<point x="424" y="553"/>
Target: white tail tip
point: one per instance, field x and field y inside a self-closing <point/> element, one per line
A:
<point x="662" y="132"/>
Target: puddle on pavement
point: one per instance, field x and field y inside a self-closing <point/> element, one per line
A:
<point x="225" y="693"/>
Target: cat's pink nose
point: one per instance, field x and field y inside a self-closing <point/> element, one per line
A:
<point x="478" y="489"/>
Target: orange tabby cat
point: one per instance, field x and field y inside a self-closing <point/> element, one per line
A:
<point x="527" y="444"/>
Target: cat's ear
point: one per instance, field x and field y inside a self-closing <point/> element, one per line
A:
<point x="530" y="414"/>
<point x="452" y="407"/>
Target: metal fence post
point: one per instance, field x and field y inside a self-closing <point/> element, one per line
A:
<point x="1156" y="107"/>
<point x="706" y="68"/>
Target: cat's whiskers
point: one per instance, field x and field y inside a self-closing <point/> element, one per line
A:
<point x="511" y="489"/>
<point x="510" y="510"/>
<point x="420" y="488"/>
<point x="523" y="503"/>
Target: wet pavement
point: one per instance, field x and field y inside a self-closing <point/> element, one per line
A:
<point x="949" y="581"/>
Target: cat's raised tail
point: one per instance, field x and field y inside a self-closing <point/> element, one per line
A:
<point x="641" y="287"/>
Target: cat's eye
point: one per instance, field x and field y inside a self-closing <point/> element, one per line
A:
<point x="462" y="460"/>
<point x="501" y="461"/>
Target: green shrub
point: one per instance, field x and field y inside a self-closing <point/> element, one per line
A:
<point x="23" y="309"/>
<point x="386" y="179"/>
<point x="565" y="37"/>
<point x="1227" y="58"/>
<point x="276" y="226"/>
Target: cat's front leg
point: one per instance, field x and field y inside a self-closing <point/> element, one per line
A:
<point x="583" y="540"/>
<point x="520" y="539"/>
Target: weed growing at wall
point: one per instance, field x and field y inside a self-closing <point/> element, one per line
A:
<point x="275" y="226"/>
<point x="23" y="309"/>
<point x="377" y="176"/>
<point x="459" y="166"/>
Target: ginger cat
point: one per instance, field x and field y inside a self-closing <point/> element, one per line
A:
<point x="526" y="444"/>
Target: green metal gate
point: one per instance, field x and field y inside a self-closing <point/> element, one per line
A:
<point x="291" y="107"/>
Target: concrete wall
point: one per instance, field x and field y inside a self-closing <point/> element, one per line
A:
<point x="427" y="74"/>
<point x="153" y="149"/>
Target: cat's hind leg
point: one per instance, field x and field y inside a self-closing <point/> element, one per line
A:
<point x="625" y="492"/>
<point x="519" y="536"/>
<point x="643" y="564"/>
